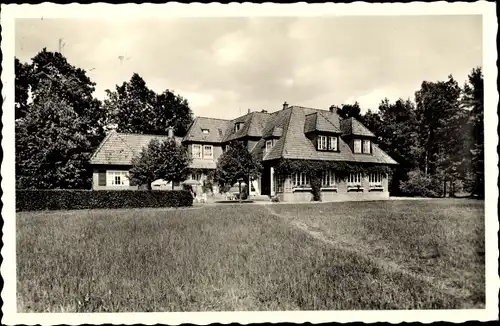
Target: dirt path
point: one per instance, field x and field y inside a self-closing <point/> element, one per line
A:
<point x="386" y="265"/>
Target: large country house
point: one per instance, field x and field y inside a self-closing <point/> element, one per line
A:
<point x="292" y="133"/>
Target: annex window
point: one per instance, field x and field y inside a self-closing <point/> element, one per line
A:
<point x="208" y="151"/>
<point x="328" y="179"/>
<point x="118" y="178"/>
<point x="205" y="131"/>
<point x="375" y="178"/>
<point x="354" y="179"/>
<point x="299" y="179"/>
<point x="357" y="145"/>
<point x="269" y="145"/>
<point x="333" y="143"/>
<point x="196" y="153"/>
<point x="366" y="147"/>
<point x="322" y="142"/>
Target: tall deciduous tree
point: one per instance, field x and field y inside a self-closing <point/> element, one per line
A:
<point x="235" y="163"/>
<point x="165" y="160"/>
<point x="348" y="110"/>
<point x="23" y="76"/>
<point x="473" y="100"/>
<point x="437" y="104"/>
<point x="59" y="128"/>
<point x="137" y="109"/>
<point x="396" y="127"/>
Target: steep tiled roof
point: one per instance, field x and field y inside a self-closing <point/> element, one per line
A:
<point x="287" y="126"/>
<point x="253" y="124"/>
<point x="119" y="148"/>
<point x="295" y="145"/>
<point x="318" y="122"/>
<point x="216" y="129"/>
<point x="351" y="126"/>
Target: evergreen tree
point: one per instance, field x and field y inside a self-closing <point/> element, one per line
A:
<point x="473" y="100"/>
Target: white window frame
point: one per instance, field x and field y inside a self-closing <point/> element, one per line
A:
<point x="200" y="151"/>
<point x="357" y="146"/>
<point x="279" y="183"/>
<point x="375" y="179"/>
<point x="205" y="131"/>
<point x="328" y="179"/>
<point x="117" y="178"/>
<point x="196" y="176"/>
<point x="299" y="179"/>
<point x="322" y="142"/>
<point x="333" y="143"/>
<point x="269" y="145"/>
<point x="366" y="150"/>
<point x="237" y="126"/>
<point x="210" y="154"/>
<point x="354" y="179"/>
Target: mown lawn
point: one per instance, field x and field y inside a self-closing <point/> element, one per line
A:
<point x="377" y="256"/>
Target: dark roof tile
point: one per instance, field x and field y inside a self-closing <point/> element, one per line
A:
<point x="120" y="148"/>
<point x="216" y="129"/>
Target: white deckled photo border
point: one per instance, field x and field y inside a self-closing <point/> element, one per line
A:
<point x="10" y="13"/>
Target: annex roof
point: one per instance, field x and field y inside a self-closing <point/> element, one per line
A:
<point x="120" y="148"/>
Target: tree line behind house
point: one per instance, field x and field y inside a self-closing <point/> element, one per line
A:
<point x="437" y="139"/>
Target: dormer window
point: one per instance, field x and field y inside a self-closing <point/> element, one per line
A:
<point x="357" y="146"/>
<point x="366" y="147"/>
<point x="269" y="145"/>
<point x="333" y="143"/>
<point x="205" y="131"/>
<point x="328" y="143"/>
<point x="322" y="143"/>
<point x="238" y="126"/>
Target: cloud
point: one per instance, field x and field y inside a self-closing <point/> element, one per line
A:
<point x="224" y="65"/>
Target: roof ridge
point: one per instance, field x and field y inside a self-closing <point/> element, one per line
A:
<point x="139" y="134"/>
<point x="214" y="118"/>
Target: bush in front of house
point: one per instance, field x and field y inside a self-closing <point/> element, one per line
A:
<point x="419" y="184"/>
<point x="35" y="200"/>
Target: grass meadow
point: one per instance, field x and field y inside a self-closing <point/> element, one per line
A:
<point x="358" y="255"/>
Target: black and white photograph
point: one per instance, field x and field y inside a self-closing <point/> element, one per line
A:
<point x="249" y="163"/>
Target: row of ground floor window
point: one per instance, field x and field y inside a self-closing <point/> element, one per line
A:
<point x="293" y="187"/>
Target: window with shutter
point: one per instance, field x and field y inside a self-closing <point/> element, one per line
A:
<point x="102" y="178"/>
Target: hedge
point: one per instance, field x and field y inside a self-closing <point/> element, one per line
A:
<point x="36" y="200"/>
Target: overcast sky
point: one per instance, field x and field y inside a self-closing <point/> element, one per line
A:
<point x="224" y="66"/>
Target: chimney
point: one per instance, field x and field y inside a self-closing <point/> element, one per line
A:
<point x="170" y="132"/>
<point x="285" y="105"/>
<point x="248" y="110"/>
